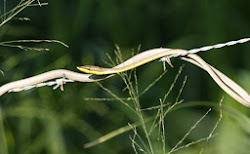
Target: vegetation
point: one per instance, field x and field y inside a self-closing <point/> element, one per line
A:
<point x="147" y="110"/>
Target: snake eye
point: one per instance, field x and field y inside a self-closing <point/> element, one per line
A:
<point x="88" y="68"/>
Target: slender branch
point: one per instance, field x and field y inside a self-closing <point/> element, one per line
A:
<point x="228" y="85"/>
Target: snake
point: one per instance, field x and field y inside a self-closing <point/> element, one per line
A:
<point x="136" y="61"/>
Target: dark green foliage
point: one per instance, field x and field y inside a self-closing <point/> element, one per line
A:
<point x="43" y="120"/>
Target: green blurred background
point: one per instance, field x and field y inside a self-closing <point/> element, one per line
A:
<point x="43" y="120"/>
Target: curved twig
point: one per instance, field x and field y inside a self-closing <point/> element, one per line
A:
<point x="228" y="85"/>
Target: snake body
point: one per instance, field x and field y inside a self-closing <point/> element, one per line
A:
<point x="137" y="60"/>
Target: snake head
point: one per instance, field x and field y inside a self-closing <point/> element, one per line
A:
<point x="89" y="69"/>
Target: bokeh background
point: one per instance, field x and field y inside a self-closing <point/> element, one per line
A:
<point x="43" y="120"/>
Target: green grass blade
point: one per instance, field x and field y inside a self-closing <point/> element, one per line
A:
<point x="3" y="143"/>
